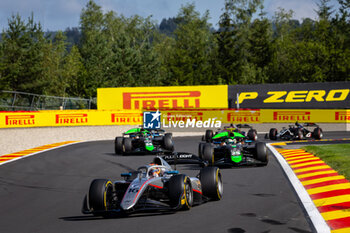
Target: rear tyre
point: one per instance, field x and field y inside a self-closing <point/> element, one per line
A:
<point x="261" y="152"/>
<point x="252" y="135"/>
<point x="118" y="145"/>
<point x="211" y="181"/>
<point x="168" y="142"/>
<point x="208" y="153"/>
<point x="318" y="133"/>
<point x="100" y="196"/>
<point x="273" y="134"/>
<point x="127" y="145"/>
<point x="180" y="192"/>
<point x="208" y="135"/>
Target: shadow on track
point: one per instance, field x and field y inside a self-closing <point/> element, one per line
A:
<point x="113" y="216"/>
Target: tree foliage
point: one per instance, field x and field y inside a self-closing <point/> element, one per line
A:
<point x="23" y="56"/>
<point x="116" y="50"/>
<point x="241" y="41"/>
<point x="189" y="59"/>
<point x="111" y="50"/>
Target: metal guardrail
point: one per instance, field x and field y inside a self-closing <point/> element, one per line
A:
<point x="22" y="101"/>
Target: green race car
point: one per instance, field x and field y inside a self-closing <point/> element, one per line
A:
<point x="233" y="149"/>
<point x="147" y="141"/>
<point x="244" y="129"/>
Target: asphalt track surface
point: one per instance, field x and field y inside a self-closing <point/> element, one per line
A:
<point x="44" y="193"/>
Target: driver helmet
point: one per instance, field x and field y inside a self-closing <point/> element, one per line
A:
<point x="239" y="140"/>
<point x="154" y="172"/>
<point x="231" y="141"/>
<point x="146" y="135"/>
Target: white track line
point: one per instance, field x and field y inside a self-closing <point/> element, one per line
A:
<point x="315" y="216"/>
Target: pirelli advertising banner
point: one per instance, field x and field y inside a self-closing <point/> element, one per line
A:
<point x="223" y="115"/>
<point x="332" y="95"/>
<point x="68" y="118"/>
<point x="169" y="117"/>
<point x="254" y="116"/>
<point x="306" y="115"/>
<point x="173" y="97"/>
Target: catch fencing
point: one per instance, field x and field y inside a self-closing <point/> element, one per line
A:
<point x="22" y="101"/>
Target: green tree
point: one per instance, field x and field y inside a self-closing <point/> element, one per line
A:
<point x="226" y="60"/>
<point x="306" y="30"/>
<point x="135" y="62"/>
<point x="329" y="33"/>
<point x="2" y="66"/>
<point x="23" y="56"/>
<point x="93" y="48"/>
<point x="283" y="44"/>
<point x="341" y="23"/>
<point x="260" y="42"/>
<point x="189" y="62"/>
<point x="74" y="73"/>
<point x="117" y="51"/>
<point x="163" y="47"/>
<point x="234" y="38"/>
<point x="55" y="53"/>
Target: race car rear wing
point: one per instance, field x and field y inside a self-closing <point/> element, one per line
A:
<point x="244" y="126"/>
<point x="306" y="124"/>
<point x="309" y="124"/>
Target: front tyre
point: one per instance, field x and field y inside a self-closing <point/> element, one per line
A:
<point x="100" y="196"/>
<point x="200" y="150"/>
<point x="211" y="181"/>
<point x="253" y="135"/>
<point x="261" y="152"/>
<point x="118" y="145"/>
<point x="208" y="153"/>
<point x="127" y="145"/>
<point x="180" y="192"/>
<point x="208" y="135"/>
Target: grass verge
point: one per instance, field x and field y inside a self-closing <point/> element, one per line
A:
<point x="337" y="156"/>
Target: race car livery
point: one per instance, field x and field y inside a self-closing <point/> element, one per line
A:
<point x="153" y="187"/>
<point x="140" y="140"/>
<point x="248" y="131"/>
<point x="233" y="149"/>
<point x="296" y="132"/>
